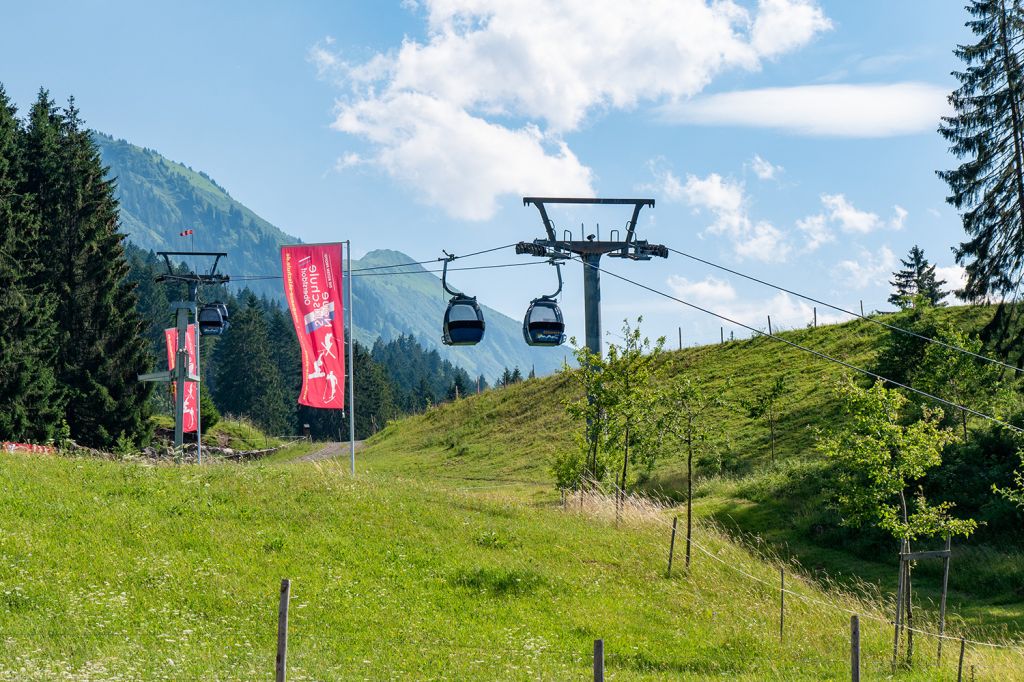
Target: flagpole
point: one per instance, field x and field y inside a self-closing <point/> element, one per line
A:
<point x="351" y="364"/>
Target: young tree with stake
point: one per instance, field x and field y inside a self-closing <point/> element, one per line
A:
<point x="880" y="458"/>
<point x="765" y="404"/>
<point x="687" y="416"/>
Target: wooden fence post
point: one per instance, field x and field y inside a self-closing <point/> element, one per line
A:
<point x="282" y="631"/>
<point x="782" y="601"/>
<point x="855" y="648"/>
<point x="899" y="613"/>
<point x="680" y="338"/>
<point x="942" y="608"/>
<point x="672" y="545"/>
<point x="960" y="666"/>
<point x="598" y="660"/>
<point x="815" y="317"/>
<point x="769" y="325"/>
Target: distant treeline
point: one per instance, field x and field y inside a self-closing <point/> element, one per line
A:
<point x="255" y="370"/>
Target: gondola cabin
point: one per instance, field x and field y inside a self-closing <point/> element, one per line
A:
<point x="213" y="319"/>
<point x="543" y="324"/>
<point x="463" y="322"/>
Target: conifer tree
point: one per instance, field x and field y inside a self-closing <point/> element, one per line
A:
<point x="247" y="380"/>
<point x="31" y="404"/>
<point x="100" y="349"/>
<point x="986" y="131"/>
<point x="916" y="282"/>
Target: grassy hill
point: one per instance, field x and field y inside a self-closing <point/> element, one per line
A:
<point x="126" y="571"/>
<point x="509" y="437"/>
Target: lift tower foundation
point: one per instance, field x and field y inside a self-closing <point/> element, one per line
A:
<point x="589" y="250"/>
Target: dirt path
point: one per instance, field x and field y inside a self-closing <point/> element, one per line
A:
<point x="329" y="451"/>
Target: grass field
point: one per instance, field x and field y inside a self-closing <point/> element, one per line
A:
<point x="127" y="571"/>
<point x="509" y="437"/>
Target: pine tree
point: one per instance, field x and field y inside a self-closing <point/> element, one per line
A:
<point x="247" y="380"/>
<point x="917" y="281"/>
<point x="100" y="348"/>
<point x="31" y="404"/>
<point x="987" y="132"/>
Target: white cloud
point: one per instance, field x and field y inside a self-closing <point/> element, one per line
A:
<point x="783" y="25"/>
<point x="546" y="65"/>
<point x="721" y="298"/>
<point x="954" y="275"/>
<point x="348" y="160"/>
<point x="709" y="290"/>
<point x="869" y="110"/>
<point x="899" y="217"/>
<point x="726" y="200"/>
<point x="870" y="269"/>
<point x="841" y="213"/>
<point x="849" y="219"/>
<point x="817" y="232"/>
<point x="457" y="160"/>
<point x="763" y="169"/>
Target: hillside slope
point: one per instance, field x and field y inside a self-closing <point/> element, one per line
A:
<point x="178" y="579"/>
<point x="160" y="198"/>
<point x="511" y="436"/>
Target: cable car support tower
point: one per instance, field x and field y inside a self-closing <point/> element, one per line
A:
<point x="589" y="252"/>
<point x="181" y="372"/>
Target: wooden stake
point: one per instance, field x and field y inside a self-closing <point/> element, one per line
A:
<point x="855" y="648"/>
<point x="680" y="338"/>
<point x="672" y="545"/>
<point x="815" y="318"/>
<point x="721" y="334"/>
<point x="899" y="613"/>
<point x="942" y="607"/>
<point x="282" y="631"/>
<point x="598" y="660"/>
<point x="782" y="601"/>
<point x="862" y="308"/>
<point x="769" y="325"/>
<point x="960" y="666"/>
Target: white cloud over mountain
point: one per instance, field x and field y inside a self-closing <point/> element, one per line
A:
<point x="478" y="109"/>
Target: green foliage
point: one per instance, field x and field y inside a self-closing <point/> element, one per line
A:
<point x="957" y="377"/>
<point x="71" y="269"/>
<point x="32" y="401"/>
<point x="247" y="380"/>
<point x="766" y="404"/>
<point x="616" y="411"/>
<point x="985" y="131"/>
<point x="916" y="284"/>
<point x="209" y="414"/>
<point x="880" y="458"/>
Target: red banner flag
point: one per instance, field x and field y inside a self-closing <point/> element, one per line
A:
<point x="313" y="292"/>
<point x="189" y="421"/>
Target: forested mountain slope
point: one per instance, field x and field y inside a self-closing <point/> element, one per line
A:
<point x="160" y="198"/>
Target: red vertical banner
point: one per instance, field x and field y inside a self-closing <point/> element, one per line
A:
<point x="313" y="291"/>
<point x="189" y="422"/>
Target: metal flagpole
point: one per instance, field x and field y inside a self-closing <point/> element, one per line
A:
<point x="199" y="388"/>
<point x="351" y="364"/>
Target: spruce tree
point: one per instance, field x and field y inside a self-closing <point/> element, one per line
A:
<point x="31" y="403"/>
<point x="100" y="348"/>
<point x="917" y="281"/>
<point x="986" y="131"/>
<point x="248" y="381"/>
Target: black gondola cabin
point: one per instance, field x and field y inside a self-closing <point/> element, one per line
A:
<point x="463" y="322"/>
<point x="543" y="324"/>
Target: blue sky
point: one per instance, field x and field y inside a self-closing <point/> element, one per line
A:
<point x="791" y="139"/>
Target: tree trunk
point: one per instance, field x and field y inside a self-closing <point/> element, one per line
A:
<point x="689" y="490"/>
<point x="1015" y="115"/>
<point x="908" y="601"/>
<point x="625" y="465"/>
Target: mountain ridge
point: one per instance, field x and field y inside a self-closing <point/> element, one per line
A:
<point x="159" y="198"/>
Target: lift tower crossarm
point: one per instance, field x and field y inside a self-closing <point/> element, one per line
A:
<point x="589" y="252"/>
<point x="540" y="202"/>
